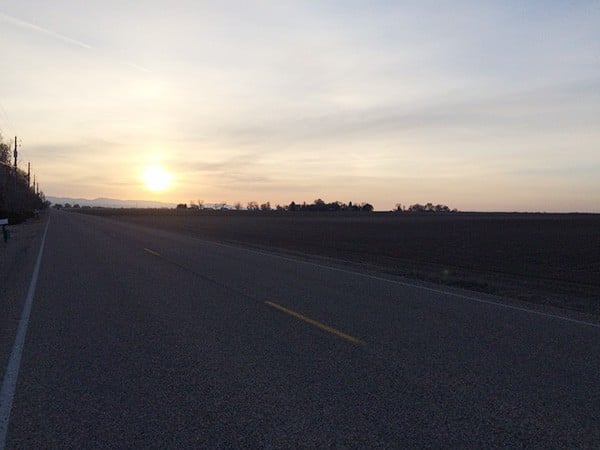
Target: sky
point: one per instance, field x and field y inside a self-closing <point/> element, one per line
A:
<point x="490" y="106"/>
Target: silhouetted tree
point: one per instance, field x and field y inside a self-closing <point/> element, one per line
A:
<point x="319" y="205"/>
<point x="429" y="207"/>
<point x="4" y="152"/>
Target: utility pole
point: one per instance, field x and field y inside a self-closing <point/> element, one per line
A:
<point x="15" y="153"/>
<point x="28" y="175"/>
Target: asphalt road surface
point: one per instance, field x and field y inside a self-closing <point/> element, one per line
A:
<point x="144" y="338"/>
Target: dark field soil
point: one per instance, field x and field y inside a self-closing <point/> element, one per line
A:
<point x="541" y="258"/>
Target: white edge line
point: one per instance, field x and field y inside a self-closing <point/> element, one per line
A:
<point x="403" y="283"/>
<point x="12" y="370"/>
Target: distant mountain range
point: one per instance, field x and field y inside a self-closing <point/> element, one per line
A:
<point x="110" y="202"/>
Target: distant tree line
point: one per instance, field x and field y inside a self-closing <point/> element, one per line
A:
<point x="318" y="205"/>
<point x="68" y="206"/>
<point x="18" y="198"/>
<point x="428" y="207"/>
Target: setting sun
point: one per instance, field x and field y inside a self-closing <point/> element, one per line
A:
<point x="156" y="178"/>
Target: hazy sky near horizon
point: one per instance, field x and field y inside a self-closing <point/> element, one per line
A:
<point x="478" y="105"/>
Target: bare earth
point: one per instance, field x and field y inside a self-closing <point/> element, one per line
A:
<point x="549" y="259"/>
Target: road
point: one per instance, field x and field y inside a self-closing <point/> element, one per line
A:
<point x="145" y="338"/>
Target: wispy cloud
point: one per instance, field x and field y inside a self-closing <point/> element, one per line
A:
<point x="138" y="67"/>
<point x="546" y="109"/>
<point x="32" y="27"/>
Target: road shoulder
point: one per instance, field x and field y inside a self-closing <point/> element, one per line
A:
<point x="17" y="259"/>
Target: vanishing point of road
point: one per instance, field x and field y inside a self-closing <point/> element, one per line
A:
<point x="137" y="337"/>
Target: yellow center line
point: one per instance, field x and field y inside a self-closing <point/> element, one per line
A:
<point x="152" y="252"/>
<point x="316" y="324"/>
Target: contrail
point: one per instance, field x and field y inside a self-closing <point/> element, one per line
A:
<point x="31" y="26"/>
<point x="138" y="67"/>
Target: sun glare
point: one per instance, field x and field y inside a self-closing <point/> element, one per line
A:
<point x="156" y="178"/>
